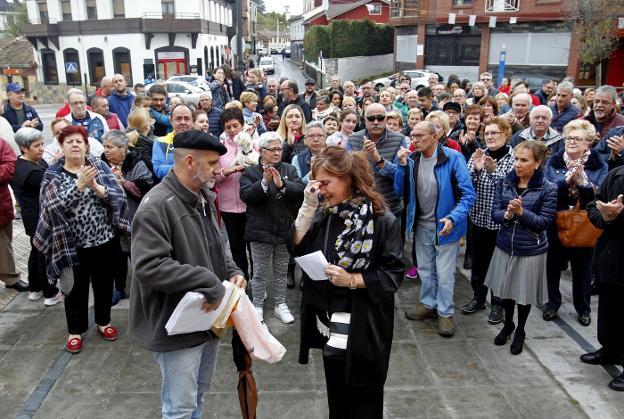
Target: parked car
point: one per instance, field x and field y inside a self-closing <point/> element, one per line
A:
<point x="274" y="51"/>
<point x="188" y="92"/>
<point x="266" y="64"/>
<point x="419" y="79"/>
<point x="535" y="80"/>
<point x="262" y="52"/>
<point x="197" y="81"/>
<point x="287" y="52"/>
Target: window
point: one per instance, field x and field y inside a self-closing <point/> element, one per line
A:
<point x="43" y="11"/>
<point x="66" y="9"/>
<point x="406" y="48"/>
<point x="91" y="10"/>
<point x="122" y="64"/>
<point x="119" y="8"/>
<point x="374" y="9"/>
<point x="411" y="7"/>
<point x="395" y="8"/>
<point x="494" y="6"/>
<point x="175" y="88"/>
<point x="70" y="57"/>
<point x="168" y="8"/>
<point x="48" y="64"/>
<point x="531" y="48"/>
<point x="462" y="2"/>
<point x="95" y="57"/>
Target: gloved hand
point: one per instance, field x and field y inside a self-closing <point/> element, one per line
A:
<point x="308" y="208"/>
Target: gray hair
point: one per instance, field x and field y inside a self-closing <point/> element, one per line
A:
<point x="541" y="108"/>
<point x="565" y="85"/>
<point x="315" y="124"/>
<point x="72" y="91"/>
<point x="609" y="90"/>
<point x="525" y="96"/>
<point x="25" y="137"/>
<point x="117" y="137"/>
<point x="104" y="80"/>
<point x="430" y="126"/>
<point x="269" y="137"/>
<point x="482" y="86"/>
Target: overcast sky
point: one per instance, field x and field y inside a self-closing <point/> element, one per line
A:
<point x="296" y="6"/>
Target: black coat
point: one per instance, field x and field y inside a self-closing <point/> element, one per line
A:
<point x="609" y="252"/>
<point x="307" y="112"/>
<point x="371" y="308"/>
<point x="270" y="214"/>
<point x="26" y="185"/>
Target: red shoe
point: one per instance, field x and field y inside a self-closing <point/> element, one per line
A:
<point x="109" y="333"/>
<point x="74" y="345"/>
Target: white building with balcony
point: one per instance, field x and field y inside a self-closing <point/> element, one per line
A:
<point x="77" y="42"/>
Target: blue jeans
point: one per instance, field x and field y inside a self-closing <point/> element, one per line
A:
<point x="436" y="268"/>
<point x="187" y="374"/>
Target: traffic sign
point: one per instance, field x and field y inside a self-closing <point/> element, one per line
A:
<point x="11" y="71"/>
<point x="71" y="67"/>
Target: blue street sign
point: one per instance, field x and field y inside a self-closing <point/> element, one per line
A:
<point x="71" y="67"/>
<point x="501" y="66"/>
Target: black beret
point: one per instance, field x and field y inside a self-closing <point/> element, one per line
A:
<point x="452" y="106"/>
<point x="198" y="140"/>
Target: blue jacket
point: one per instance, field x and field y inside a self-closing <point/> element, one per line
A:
<point x="121" y="105"/>
<point x="605" y="152"/>
<point x="162" y="155"/>
<point x="596" y="170"/>
<point x="215" y="124"/>
<point x="525" y="235"/>
<point x="455" y="192"/>
<point x="29" y="113"/>
<point x="559" y="120"/>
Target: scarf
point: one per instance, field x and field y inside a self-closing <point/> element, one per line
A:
<point x="576" y="168"/>
<point x="355" y="242"/>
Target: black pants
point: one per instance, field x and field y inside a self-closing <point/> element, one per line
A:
<point x="96" y="265"/>
<point x="235" y="227"/>
<point x="610" y="315"/>
<point x="469" y="240"/>
<point x="346" y="401"/>
<point x="483" y="244"/>
<point x="37" y="277"/>
<point x="121" y="274"/>
<point x="581" y="264"/>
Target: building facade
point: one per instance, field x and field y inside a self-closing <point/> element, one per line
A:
<point x="297" y="31"/>
<point x="537" y="35"/>
<point x="77" y="42"/>
<point x="273" y="40"/>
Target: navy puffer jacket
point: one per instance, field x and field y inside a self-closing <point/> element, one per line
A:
<point x="525" y="235"/>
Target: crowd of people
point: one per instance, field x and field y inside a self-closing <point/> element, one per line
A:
<point x="263" y="170"/>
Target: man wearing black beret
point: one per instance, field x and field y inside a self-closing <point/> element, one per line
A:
<point x="177" y="247"/>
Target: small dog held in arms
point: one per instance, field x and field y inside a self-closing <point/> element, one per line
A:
<point x="246" y="155"/>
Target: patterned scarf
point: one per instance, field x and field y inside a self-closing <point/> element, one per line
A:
<point x="355" y="243"/>
<point x="576" y="167"/>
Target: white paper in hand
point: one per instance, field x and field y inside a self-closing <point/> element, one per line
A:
<point x="314" y="265"/>
<point x="188" y="317"/>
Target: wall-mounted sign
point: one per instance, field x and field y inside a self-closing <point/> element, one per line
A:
<point x="171" y="55"/>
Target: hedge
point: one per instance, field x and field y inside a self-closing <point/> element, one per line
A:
<point x="348" y="38"/>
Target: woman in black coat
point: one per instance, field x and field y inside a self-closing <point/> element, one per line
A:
<point x="350" y="316"/>
<point x="272" y="191"/>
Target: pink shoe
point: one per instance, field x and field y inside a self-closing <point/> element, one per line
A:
<point x="412" y="273"/>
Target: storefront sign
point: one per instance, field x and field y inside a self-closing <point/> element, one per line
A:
<point x="449" y="30"/>
<point x="171" y="55"/>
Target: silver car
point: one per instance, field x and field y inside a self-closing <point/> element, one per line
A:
<point x="419" y="79"/>
<point x="184" y="90"/>
<point x="197" y="81"/>
<point x="267" y="65"/>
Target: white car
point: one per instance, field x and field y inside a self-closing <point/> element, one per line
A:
<point x="419" y="79"/>
<point x="266" y="64"/>
<point x="197" y="81"/>
<point x="186" y="91"/>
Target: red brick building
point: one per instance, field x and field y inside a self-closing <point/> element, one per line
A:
<point x="373" y="10"/>
<point x="538" y="37"/>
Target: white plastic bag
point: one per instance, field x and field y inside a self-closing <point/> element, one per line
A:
<point x="258" y="341"/>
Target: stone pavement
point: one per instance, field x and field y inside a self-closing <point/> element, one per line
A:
<point x="430" y="377"/>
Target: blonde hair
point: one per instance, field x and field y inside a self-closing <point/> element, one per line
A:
<point x="282" y="130"/>
<point x="581" y="125"/>
<point x="440" y="116"/>
<point x="139" y="120"/>
<point x="233" y="104"/>
<point x="395" y="115"/>
<point x="348" y="99"/>
<point x="247" y="97"/>
<point x="415" y="110"/>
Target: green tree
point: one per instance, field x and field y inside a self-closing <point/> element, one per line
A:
<point x="260" y="6"/>
<point x="268" y="21"/>
<point x="16" y="20"/>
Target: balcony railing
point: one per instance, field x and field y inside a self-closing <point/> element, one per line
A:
<point x="179" y="15"/>
<point x="501" y="6"/>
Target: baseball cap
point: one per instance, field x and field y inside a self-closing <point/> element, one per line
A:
<point x="15" y="88"/>
<point x="310" y="81"/>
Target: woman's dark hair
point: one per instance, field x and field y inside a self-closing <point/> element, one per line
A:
<point x="325" y="99"/>
<point x="71" y="130"/>
<point x="464" y="83"/>
<point x="473" y="110"/>
<point x="268" y="108"/>
<point x="232" y="113"/>
<point x="491" y="101"/>
<point x="334" y="93"/>
<point x="355" y="169"/>
<point x="346" y="112"/>
<point x="539" y="150"/>
<point x="197" y="113"/>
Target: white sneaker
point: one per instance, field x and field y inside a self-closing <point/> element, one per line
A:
<point x="54" y="300"/>
<point x="260" y="313"/>
<point x="282" y="312"/>
<point x="34" y="295"/>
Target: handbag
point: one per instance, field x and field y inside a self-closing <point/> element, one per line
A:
<point x="575" y="229"/>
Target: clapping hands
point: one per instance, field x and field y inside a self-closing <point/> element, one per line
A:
<point x="612" y="209"/>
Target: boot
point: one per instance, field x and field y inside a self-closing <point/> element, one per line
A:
<point x="290" y="278"/>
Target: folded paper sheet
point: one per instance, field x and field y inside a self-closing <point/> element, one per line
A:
<point x="314" y="265"/>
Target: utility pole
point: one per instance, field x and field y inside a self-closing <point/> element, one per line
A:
<point x="240" y="64"/>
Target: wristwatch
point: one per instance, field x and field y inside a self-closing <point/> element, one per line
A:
<point x="381" y="160"/>
<point x="353" y="285"/>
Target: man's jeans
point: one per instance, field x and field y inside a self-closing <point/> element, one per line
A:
<point x="436" y="268"/>
<point x="187" y="374"/>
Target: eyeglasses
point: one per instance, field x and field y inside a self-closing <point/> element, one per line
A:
<point x="418" y="136"/>
<point x="573" y="139"/>
<point x="491" y="133"/>
<point x="273" y="150"/>
<point x="378" y="118"/>
<point x="315" y="135"/>
<point x="485" y="79"/>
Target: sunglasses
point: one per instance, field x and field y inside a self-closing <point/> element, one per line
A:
<point x="378" y="118"/>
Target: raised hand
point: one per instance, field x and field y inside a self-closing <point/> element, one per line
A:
<point x="490" y="164"/>
<point x="402" y="155"/>
<point x="478" y="159"/>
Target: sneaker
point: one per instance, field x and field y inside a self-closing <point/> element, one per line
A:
<point x="282" y="312"/>
<point x="446" y="327"/>
<point x="412" y="273"/>
<point x="496" y="314"/>
<point x="472" y="306"/>
<point x="59" y="297"/>
<point x="34" y="295"/>
<point x="260" y="314"/>
<point x="421" y="312"/>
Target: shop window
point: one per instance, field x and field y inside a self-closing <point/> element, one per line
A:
<point x="122" y="64"/>
<point x="72" y="62"/>
<point x="95" y="57"/>
<point x="48" y="64"/>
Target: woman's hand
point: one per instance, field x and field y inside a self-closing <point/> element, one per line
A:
<point x="338" y="276"/>
<point x="466" y="138"/>
<point x="291" y="135"/>
<point x="86" y="177"/>
<point x="267" y="175"/>
<point x="478" y="159"/>
<point x="490" y="164"/>
<point x="310" y="193"/>
<point x="610" y="210"/>
<point x="277" y="178"/>
<point x="233" y="169"/>
<point x="515" y="206"/>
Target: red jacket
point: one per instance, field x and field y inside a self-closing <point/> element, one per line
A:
<point x="7" y="169"/>
<point x="64" y="111"/>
